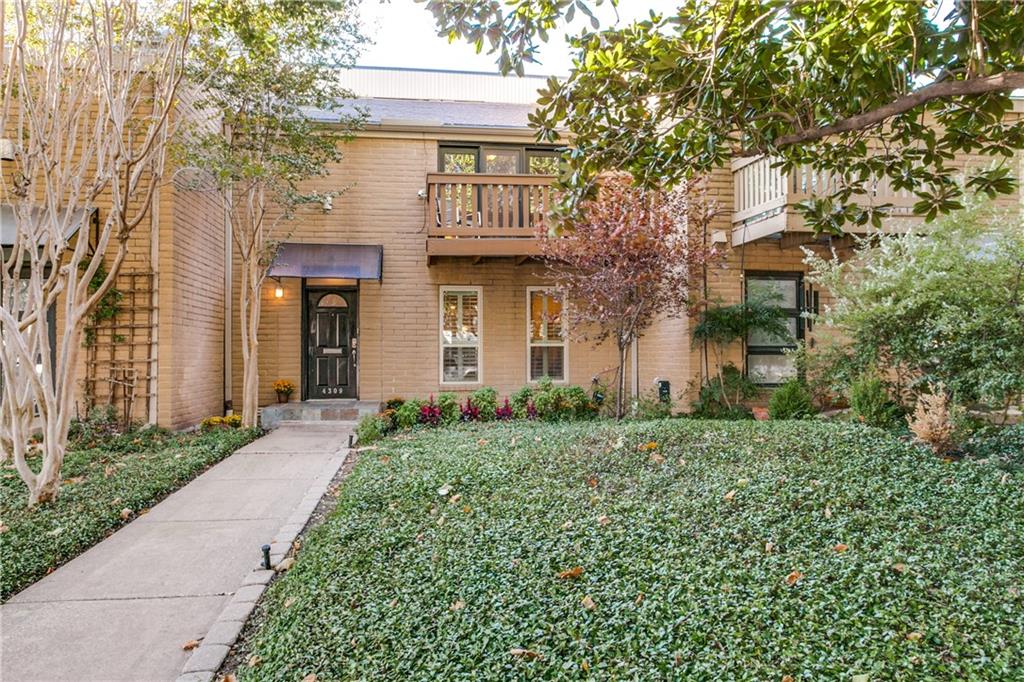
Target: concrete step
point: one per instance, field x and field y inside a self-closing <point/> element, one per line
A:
<point x="314" y="411"/>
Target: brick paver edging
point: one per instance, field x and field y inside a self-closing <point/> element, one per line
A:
<point x="206" y="659"/>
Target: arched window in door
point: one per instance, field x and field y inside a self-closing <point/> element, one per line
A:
<point x="332" y="301"/>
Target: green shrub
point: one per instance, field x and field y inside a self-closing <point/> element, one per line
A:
<point x="486" y="400"/>
<point x="449" y="404"/>
<point x="562" y="403"/>
<point x="1004" y="444"/>
<point x="651" y="406"/>
<point x="721" y="396"/>
<point x="791" y="400"/>
<point x="870" y="403"/>
<point x="371" y="428"/>
<point x="520" y="399"/>
<point x="393" y="403"/>
<point x="408" y="415"/>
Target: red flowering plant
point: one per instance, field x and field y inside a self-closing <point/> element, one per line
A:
<point x="470" y="412"/>
<point x="628" y="256"/>
<point x="430" y="412"/>
<point x="504" y="412"/>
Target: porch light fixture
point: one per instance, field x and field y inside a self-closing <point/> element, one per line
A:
<point x="278" y="290"/>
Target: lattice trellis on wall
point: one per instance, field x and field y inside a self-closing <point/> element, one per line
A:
<point x="120" y="358"/>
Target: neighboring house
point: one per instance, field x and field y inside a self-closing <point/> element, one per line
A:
<point x="161" y="356"/>
<point x="422" y="276"/>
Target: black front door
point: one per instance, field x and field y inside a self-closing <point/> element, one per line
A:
<point x="331" y="343"/>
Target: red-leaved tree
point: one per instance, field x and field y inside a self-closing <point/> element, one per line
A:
<point x="628" y="257"/>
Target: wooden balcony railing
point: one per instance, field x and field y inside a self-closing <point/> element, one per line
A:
<point x="765" y="197"/>
<point x="486" y="215"/>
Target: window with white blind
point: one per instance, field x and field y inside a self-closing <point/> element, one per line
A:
<point x="545" y="335"/>
<point x="461" y="335"/>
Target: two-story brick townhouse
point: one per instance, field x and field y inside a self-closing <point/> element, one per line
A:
<point x="422" y="277"/>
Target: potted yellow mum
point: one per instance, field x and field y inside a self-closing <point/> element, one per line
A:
<point x="284" y="390"/>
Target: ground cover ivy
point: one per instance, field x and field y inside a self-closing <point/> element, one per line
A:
<point x="671" y="549"/>
<point x="102" y="479"/>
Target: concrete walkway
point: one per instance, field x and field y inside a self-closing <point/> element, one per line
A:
<point x="123" y="609"/>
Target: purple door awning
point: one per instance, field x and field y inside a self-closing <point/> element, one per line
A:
<point x="346" y="261"/>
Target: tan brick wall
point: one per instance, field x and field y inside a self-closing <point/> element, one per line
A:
<point x="191" y="286"/>
<point x="399" y="316"/>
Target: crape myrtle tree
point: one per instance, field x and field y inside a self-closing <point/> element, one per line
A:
<point x="627" y="257"/>
<point x="87" y="94"/>
<point x="263" y="66"/>
<point x="862" y="89"/>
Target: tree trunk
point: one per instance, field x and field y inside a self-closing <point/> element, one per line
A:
<point x="620" y="392"/>
<point x="249" y="311"/>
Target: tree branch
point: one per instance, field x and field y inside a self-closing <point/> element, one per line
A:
<point x="1008" y="80"/>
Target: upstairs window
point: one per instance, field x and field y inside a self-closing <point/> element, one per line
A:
<point x="546" y="342"/>
<point x="498" y="159"/>
<point x="461" y="335"/>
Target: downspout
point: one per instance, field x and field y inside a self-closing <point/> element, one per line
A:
<point x="228" y="311"/>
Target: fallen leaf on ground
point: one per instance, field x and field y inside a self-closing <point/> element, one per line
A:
<point x="525" y="653"/>
<point x="230" y="677"/>
<point x="899" y="568"/>
<point x="603" y="520"/>
<point x="769" y="547"/>
<point x="309" y="678"/>
<point x="190" y="645"/>
<point x="841" y="547"/>
<point x="574" y="572"/>
<point x="285" y="565"/>
<point x="639" y="599"/>
<point x="384" y="459"/>
<point x="657" y="458"/>
<point x="729" y="496"/>
<point x="914" y="636"/>
<point x="588" y="603"/>
<point x="289" y="601"/>
<point x="788" y="678"/>
<point x="444" y="490"/>
<point x="73" y="480"/>
<point x="584" y="666"/>
<point x="254" y="661"/>
<point x="567" y="525"/>
<point x="125" y="513"/>
<point x="457" y="605"/>
<point x="454" y="499"/>
<point x="793" y="578"/>
<point x="592" y="481"/>
<point x="828" y="512"/>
